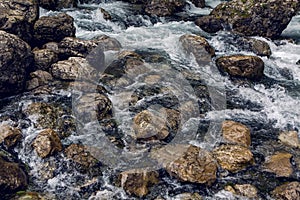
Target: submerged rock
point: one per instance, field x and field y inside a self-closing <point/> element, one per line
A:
<point x="9" y="135"/>
<point x="242" y="66"/>
<point x="80" y="155"/>
<point x="287" y="191"/>
<point x="259" y="47"/>
<point x="199" y="47"/>
<point x="15" y="62"/>
<point x="279" y="164"/>
<point x="47" y="143"/>
<point x="237" y="133"/>
<point x="44" y="58"/>
<point x="57" y="4"/>
<point x="53" y="28"/>
<point x="18" y="17"/>
<point x="75" y="68"/>
<point x="290" y="138"/>
<point x="12" y="178"/>
<point x="138" y="181"/>
<point x="257" y="18"/>
<point x="233" y="157"/>
<point x="163" y="8"/>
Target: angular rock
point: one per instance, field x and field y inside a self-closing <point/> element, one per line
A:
<point x="287" y="191"/>
<point x="38" y="78"/>
<point x="75" y="68"/>
<point x="199" y="47"/>
<point x="18" y="17"/>
<point x="189" y="164"/>
<point x="163" y="8"/>
<point x="79" y="154"/>
<point x="9" y="135"/>
<point x="199" y="3"/>
<point x="12" y="178"/>
<point x="257" y="18"/>
<point x="245" y="190"/>
<point x="233" y="157"/>
<point x="236" y="133"/>
<point x="92" y="106"/>
<point x="57" y="4"/>
<point x="243" y="66"/>
<point x="259" y="47"/>
<point x="210" y="24"/>
<point x="53" y="28"/>
<point x="290" y="138"/>
<point x="137" y="181"/>
<point x="44" y="58"/>
<point x="279" y="164"/>
<point x="47" y="143"/>
<point x="15" y="62"/>
<point x="150" y="125"/>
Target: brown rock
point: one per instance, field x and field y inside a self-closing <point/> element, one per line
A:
<point x="53" y="28"/>
<point x="287" y="191"/>
<point x="47" y="143"/>
<point x="148" y="124"/>
<point x="79" y="154"/>
<point x="92" y="106"/>
<point x="75" y="68"/>
<point x="163" y="8"/>
<point x="199" y="3"/>
<point x="38" y="78"/>
<point x="236" y="133"/>
<point x="194" y="165"/>
<point x="137" y="181"/>
<point x="279" y="164"/>
<point x="108" y="43"/>
<point x="210" y="24"/>
<point x="18" y="17"/>
<point x="9" y="135"/>
<point x="290" y="138"/>
<point x="259" y="47"/>
<point x="199" y="47"/>
<point x="15" y="62"/>
<point x="12" y="178"/>
<point x="251" y="67"/>
<point x="44" y="58"/>
<point x="245" y="190"/>
<point x="233" y="157"/>
<point x="188" y="196"/>
<point x="57" y="4"/>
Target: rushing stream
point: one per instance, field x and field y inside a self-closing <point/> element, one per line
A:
<point x="267" y="107"/>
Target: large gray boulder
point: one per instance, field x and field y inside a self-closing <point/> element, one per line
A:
<point x="265" y="18"/>
<point x="18" y="17"/>
<point x="15" y="62"/>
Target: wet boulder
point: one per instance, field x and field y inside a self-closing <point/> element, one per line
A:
<point x="75" y="68"/>
<point x="199" y="3"/>
<point x="280" y="164"/>
<point x="257" y="18"/>
<point x="38" y="78"/>
<point x="57" y="4"/>
<point x="92" y="106"/>
<point x="81" y="155"/>
<point x="210" y="24"/>
<point x="137" y="181"/>
<point x="44" y="58"/>
<point x="245" y="190"/>
<point x="18" y="17"/>
<point x="287" y="191"/>
<point x="16" y="61"/>
<point x="12" y="178"/>
<point x="259" y="47"/>
<point x="164" y="8"/>
<point x="233" y="157"/>
<point x="53" y="28"/>
<point x="187" y="196"/>
<point x="9" y="135"/>
<point x="243" y="66"/>
<point x="199" y="47"/>
<point x="47" y="143"/>
<point x="236" y="133"/>
<point x="290" y="138"/>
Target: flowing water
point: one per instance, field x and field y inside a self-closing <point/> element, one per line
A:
<point x="267" y="107"/>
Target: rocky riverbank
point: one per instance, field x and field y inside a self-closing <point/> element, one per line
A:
<point x="64" y="100"/>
